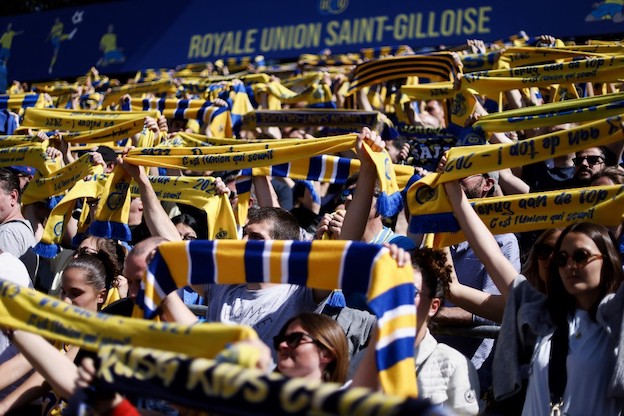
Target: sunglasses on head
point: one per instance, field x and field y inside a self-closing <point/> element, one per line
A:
<point x="543" y="251"/>
<point x="580" y="257"/>
<point x="293" y="340"/>
<point x="591" y="160"/>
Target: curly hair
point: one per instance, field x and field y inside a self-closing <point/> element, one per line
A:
<point x="436" y="274"/>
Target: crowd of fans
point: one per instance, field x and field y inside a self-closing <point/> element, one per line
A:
<point x="555" y="291"/>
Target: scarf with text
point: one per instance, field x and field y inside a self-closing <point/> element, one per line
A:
<point x="19" y="140"/>
<point x="530" y="212"/>
<point x="221" y="387"/>
<point x="33" y="155"/>
<point x="586" y="70"/>
<point x="29" y="310"/>
<point x="110" y="134"/>
<point x="576" y="110"/>
<point x="311" y="117"/>
<point x="427" y="196"/>
<point x="79" y="120"/>
<point x="353" y="266"/>
<point x="199" y="192"/>
<point x="59" y="181"/>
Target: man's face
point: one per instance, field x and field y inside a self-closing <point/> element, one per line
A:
<point x="24" y="179"/>
<point x="8" y="201"/>
<point x="134" y="269"/>
<point x="258" y="231"/>
<point x="474" y="186"/>
<point x="588" y="162"/>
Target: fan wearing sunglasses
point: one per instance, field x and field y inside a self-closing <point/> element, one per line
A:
<point x="574" y="329"/>
<point x="588" y="163"/>
<point x="312" y="346"/>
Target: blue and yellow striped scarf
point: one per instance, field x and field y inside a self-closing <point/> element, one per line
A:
<point x="353" y="266"/>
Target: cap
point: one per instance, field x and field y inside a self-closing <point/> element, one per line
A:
<point x="471" y="137"/>
<point x="24" y="170"/>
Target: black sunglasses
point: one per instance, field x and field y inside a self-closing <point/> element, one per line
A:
<point x="591" y="160"/>
<point x="580" y="257"/>
<point x="543" y="251"/>
<point x="293" y="340"/>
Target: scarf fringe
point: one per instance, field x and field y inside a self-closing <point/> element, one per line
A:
<point x="443" y="222"/>
<point x="46" y="250"/>
<point x="111" y="229"/>
<point x="389" y="205"/>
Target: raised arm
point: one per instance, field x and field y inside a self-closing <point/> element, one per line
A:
<point x="481" y="239"/>
<point x="56" y="368"/>
<point x="357" y="215"/>
<point x="157" y="220"/>
<point x="473" y="300"/>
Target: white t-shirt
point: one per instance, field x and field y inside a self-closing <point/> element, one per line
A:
<point x="589" y="365"/>
<point x="14" y="271"/>
<point x="265" y="310"/>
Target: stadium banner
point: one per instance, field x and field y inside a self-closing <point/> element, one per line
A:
<point x="125" y="36"/>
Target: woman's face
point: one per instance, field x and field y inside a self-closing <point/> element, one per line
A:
<point x="544" y="263"/>
<point x="303" y="360"/>
<point x="581" y="281"/>
<point x="76" y="291"/>
<point x="186" y="232"/>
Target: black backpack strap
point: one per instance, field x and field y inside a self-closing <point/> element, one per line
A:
<point x="557" y="371"/>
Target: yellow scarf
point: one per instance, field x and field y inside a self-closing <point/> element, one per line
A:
<point x="586" y="70"/>
<point x="59" y="181"/>
<point x="270" y="153"/>
<point x="61" y="213"/>
<point x="199" y="192"/>
<point x="34" y="156"/>
<point x="115" y="133"/>
<point x="427" y="196"/>
<point x="156" y="87"/>
<point x="579" y="110"/>
<point x="218" y="386"/>
<point x="437" y="67"/>
<point x="79" y="120"/>
<point x="113" y="210"/>
<point x="29" y="310"/>
<point x="529" y="212"/>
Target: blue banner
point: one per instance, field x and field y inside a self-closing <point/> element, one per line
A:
<point x="126" y="36"/>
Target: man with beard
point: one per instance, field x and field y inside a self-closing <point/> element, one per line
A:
<point x="587" y="163"/>
<point x="471" y="272"/>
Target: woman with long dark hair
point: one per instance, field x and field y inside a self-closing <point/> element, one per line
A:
<point x="573" y="328"/>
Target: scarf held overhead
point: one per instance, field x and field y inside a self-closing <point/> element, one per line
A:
<point x="354" y="266"/>
<point x="427" y="196"/>
<point x="28" y="310"/>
